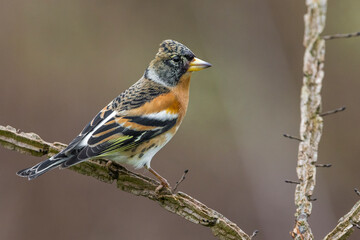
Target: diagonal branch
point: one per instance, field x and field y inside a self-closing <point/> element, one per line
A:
<point x="179" y="203"/>
<point x="311" y="122"/>
<point x="346" y="224"/>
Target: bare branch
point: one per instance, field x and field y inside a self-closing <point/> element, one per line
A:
<point x="179" y="203"/>
<point x="346" y="224"/>
<point x="341" y="35"/>
<point x="311" y="122"/>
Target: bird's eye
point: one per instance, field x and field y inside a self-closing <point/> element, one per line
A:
<point x="175" y="58"/>
<point x="189" y="57"/>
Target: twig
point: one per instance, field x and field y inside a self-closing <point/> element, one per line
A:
<point x="292" y="137"/>
<point x="357" y="191"/>
<point x="179" y="203"/>
<point x="312" y="199"/>
<point x="333" y="111"/>
<point x="181" y="179"/>
<point x="254" y="234"/>
<point x="323" y="165"/>
<point x="311" y="122"/>
<point x="341" y="35"/>
<point x="292" y="182"/>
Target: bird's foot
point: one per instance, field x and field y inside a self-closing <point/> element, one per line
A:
<point x="164" y="185"/>
<point x="108" y="164"/>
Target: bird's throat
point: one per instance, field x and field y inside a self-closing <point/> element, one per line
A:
<point x="181" y="91"/>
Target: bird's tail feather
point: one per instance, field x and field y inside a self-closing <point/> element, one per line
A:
<point x="42" y="167"/>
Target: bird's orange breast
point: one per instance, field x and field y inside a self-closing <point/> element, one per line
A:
<point x="174" y="102"/>
<point x="181" y="93"/>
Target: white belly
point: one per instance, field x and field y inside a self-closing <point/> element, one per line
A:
<point x="140" y="159"/>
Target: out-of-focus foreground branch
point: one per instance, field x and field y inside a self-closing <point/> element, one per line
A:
<point x="179" y="203"/>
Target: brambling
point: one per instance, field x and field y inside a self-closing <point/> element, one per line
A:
<point x="134" y="126"/>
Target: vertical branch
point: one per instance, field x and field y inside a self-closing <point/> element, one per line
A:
<point x="311" y="122"/>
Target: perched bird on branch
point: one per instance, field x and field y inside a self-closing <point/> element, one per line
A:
<point x="140" y="121"/>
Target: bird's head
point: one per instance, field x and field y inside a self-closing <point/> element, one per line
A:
<point x="171" y="62"/>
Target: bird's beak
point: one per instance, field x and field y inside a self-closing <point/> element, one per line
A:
<point x="197" y="64"/>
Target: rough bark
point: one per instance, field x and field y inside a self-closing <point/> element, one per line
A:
<point x="346" y="224"/>
<point x="179" y="203"/>
<point x="311" y="126"/>
<point x="311" y="122"/>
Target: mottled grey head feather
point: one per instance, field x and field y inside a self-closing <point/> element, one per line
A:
<point x="170" y="63"/>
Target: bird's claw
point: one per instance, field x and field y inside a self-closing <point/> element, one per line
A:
<point x="164" y="186"/>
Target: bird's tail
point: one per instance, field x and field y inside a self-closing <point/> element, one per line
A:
<point x="43" y="167"/>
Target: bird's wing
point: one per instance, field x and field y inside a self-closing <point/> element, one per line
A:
<point x="134" y="97"/>
<point x="114" y="130"/>
<point x="100" y="117"/>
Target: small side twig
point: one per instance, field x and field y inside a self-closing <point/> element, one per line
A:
<point x="332" y="111"/>
<point x="181" y="180"/>
<point x="323" y="165"/>
<point x="357" y="191"/>
<point x="292" y="182"/>
<point x="341" y="35"/>
<point x="254" y="234"/>
<point x="312" y="199"/>
<point x="292" y="137"/>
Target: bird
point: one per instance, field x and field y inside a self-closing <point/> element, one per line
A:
<point x="134" y="126"/>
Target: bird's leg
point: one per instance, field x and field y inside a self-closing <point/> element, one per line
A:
<point x="163" y="181"/>
<point x="108" y="164"/>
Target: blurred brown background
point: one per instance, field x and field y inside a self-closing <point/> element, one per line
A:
<point x="62" y="61"/>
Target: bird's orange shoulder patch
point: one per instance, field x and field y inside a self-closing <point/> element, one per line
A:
<point x="166" y="102"/>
